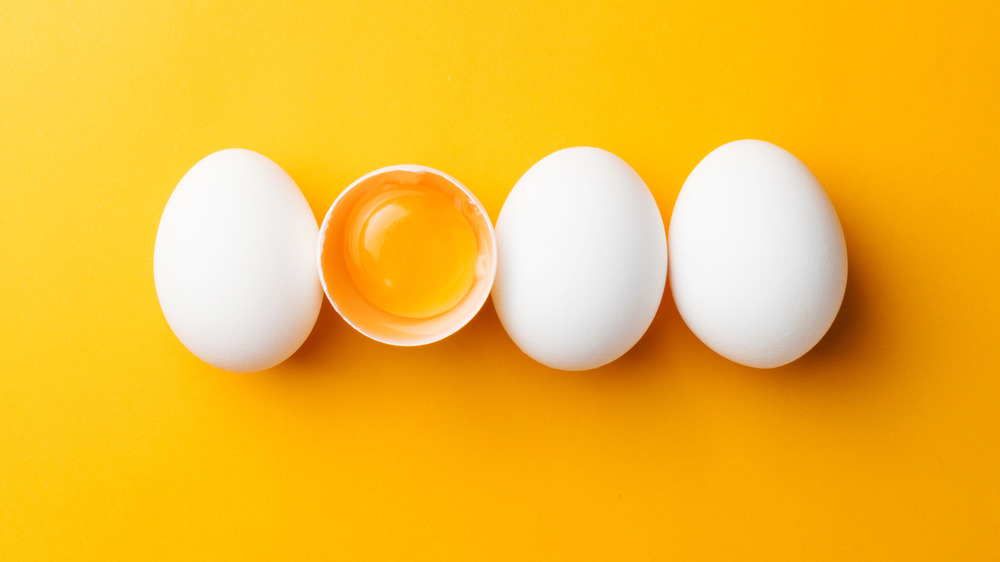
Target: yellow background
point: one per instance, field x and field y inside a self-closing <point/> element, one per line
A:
<point x="116" y="443"/>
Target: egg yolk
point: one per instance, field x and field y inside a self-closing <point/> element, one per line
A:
<point x="410" y="252"/>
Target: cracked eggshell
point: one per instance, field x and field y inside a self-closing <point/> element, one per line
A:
<point x="362" y="315"/>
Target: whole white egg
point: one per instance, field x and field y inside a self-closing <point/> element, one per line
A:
<point x="235" y="262"/>
<point x="758" y="263"/>
<point x="582" y="259"/>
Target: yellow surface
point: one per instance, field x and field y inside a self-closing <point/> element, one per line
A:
<point x="117" y="444"/>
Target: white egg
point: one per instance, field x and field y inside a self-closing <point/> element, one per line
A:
<point x="235" y="262"/>
<point x="758" y="263"/>
<point x="582" y="259"/>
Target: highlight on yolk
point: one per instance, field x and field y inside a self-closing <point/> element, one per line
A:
<point x="410" y="252"/>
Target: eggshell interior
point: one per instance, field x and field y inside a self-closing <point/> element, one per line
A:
<point x="358" y="311"/>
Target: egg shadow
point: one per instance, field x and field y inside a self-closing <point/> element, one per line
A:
<point x="852" y="351"/>
<point x="849" y="343"/>
<point x="329" y="332"/>
<point x="649" y="362"/>
<point x="652" y="348"/>
<point x="477" y="343"/>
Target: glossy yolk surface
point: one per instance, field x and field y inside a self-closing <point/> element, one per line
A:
<point x="410" y="252"/>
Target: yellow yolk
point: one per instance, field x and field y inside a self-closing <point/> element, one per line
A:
<point x="410" y="252"/>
